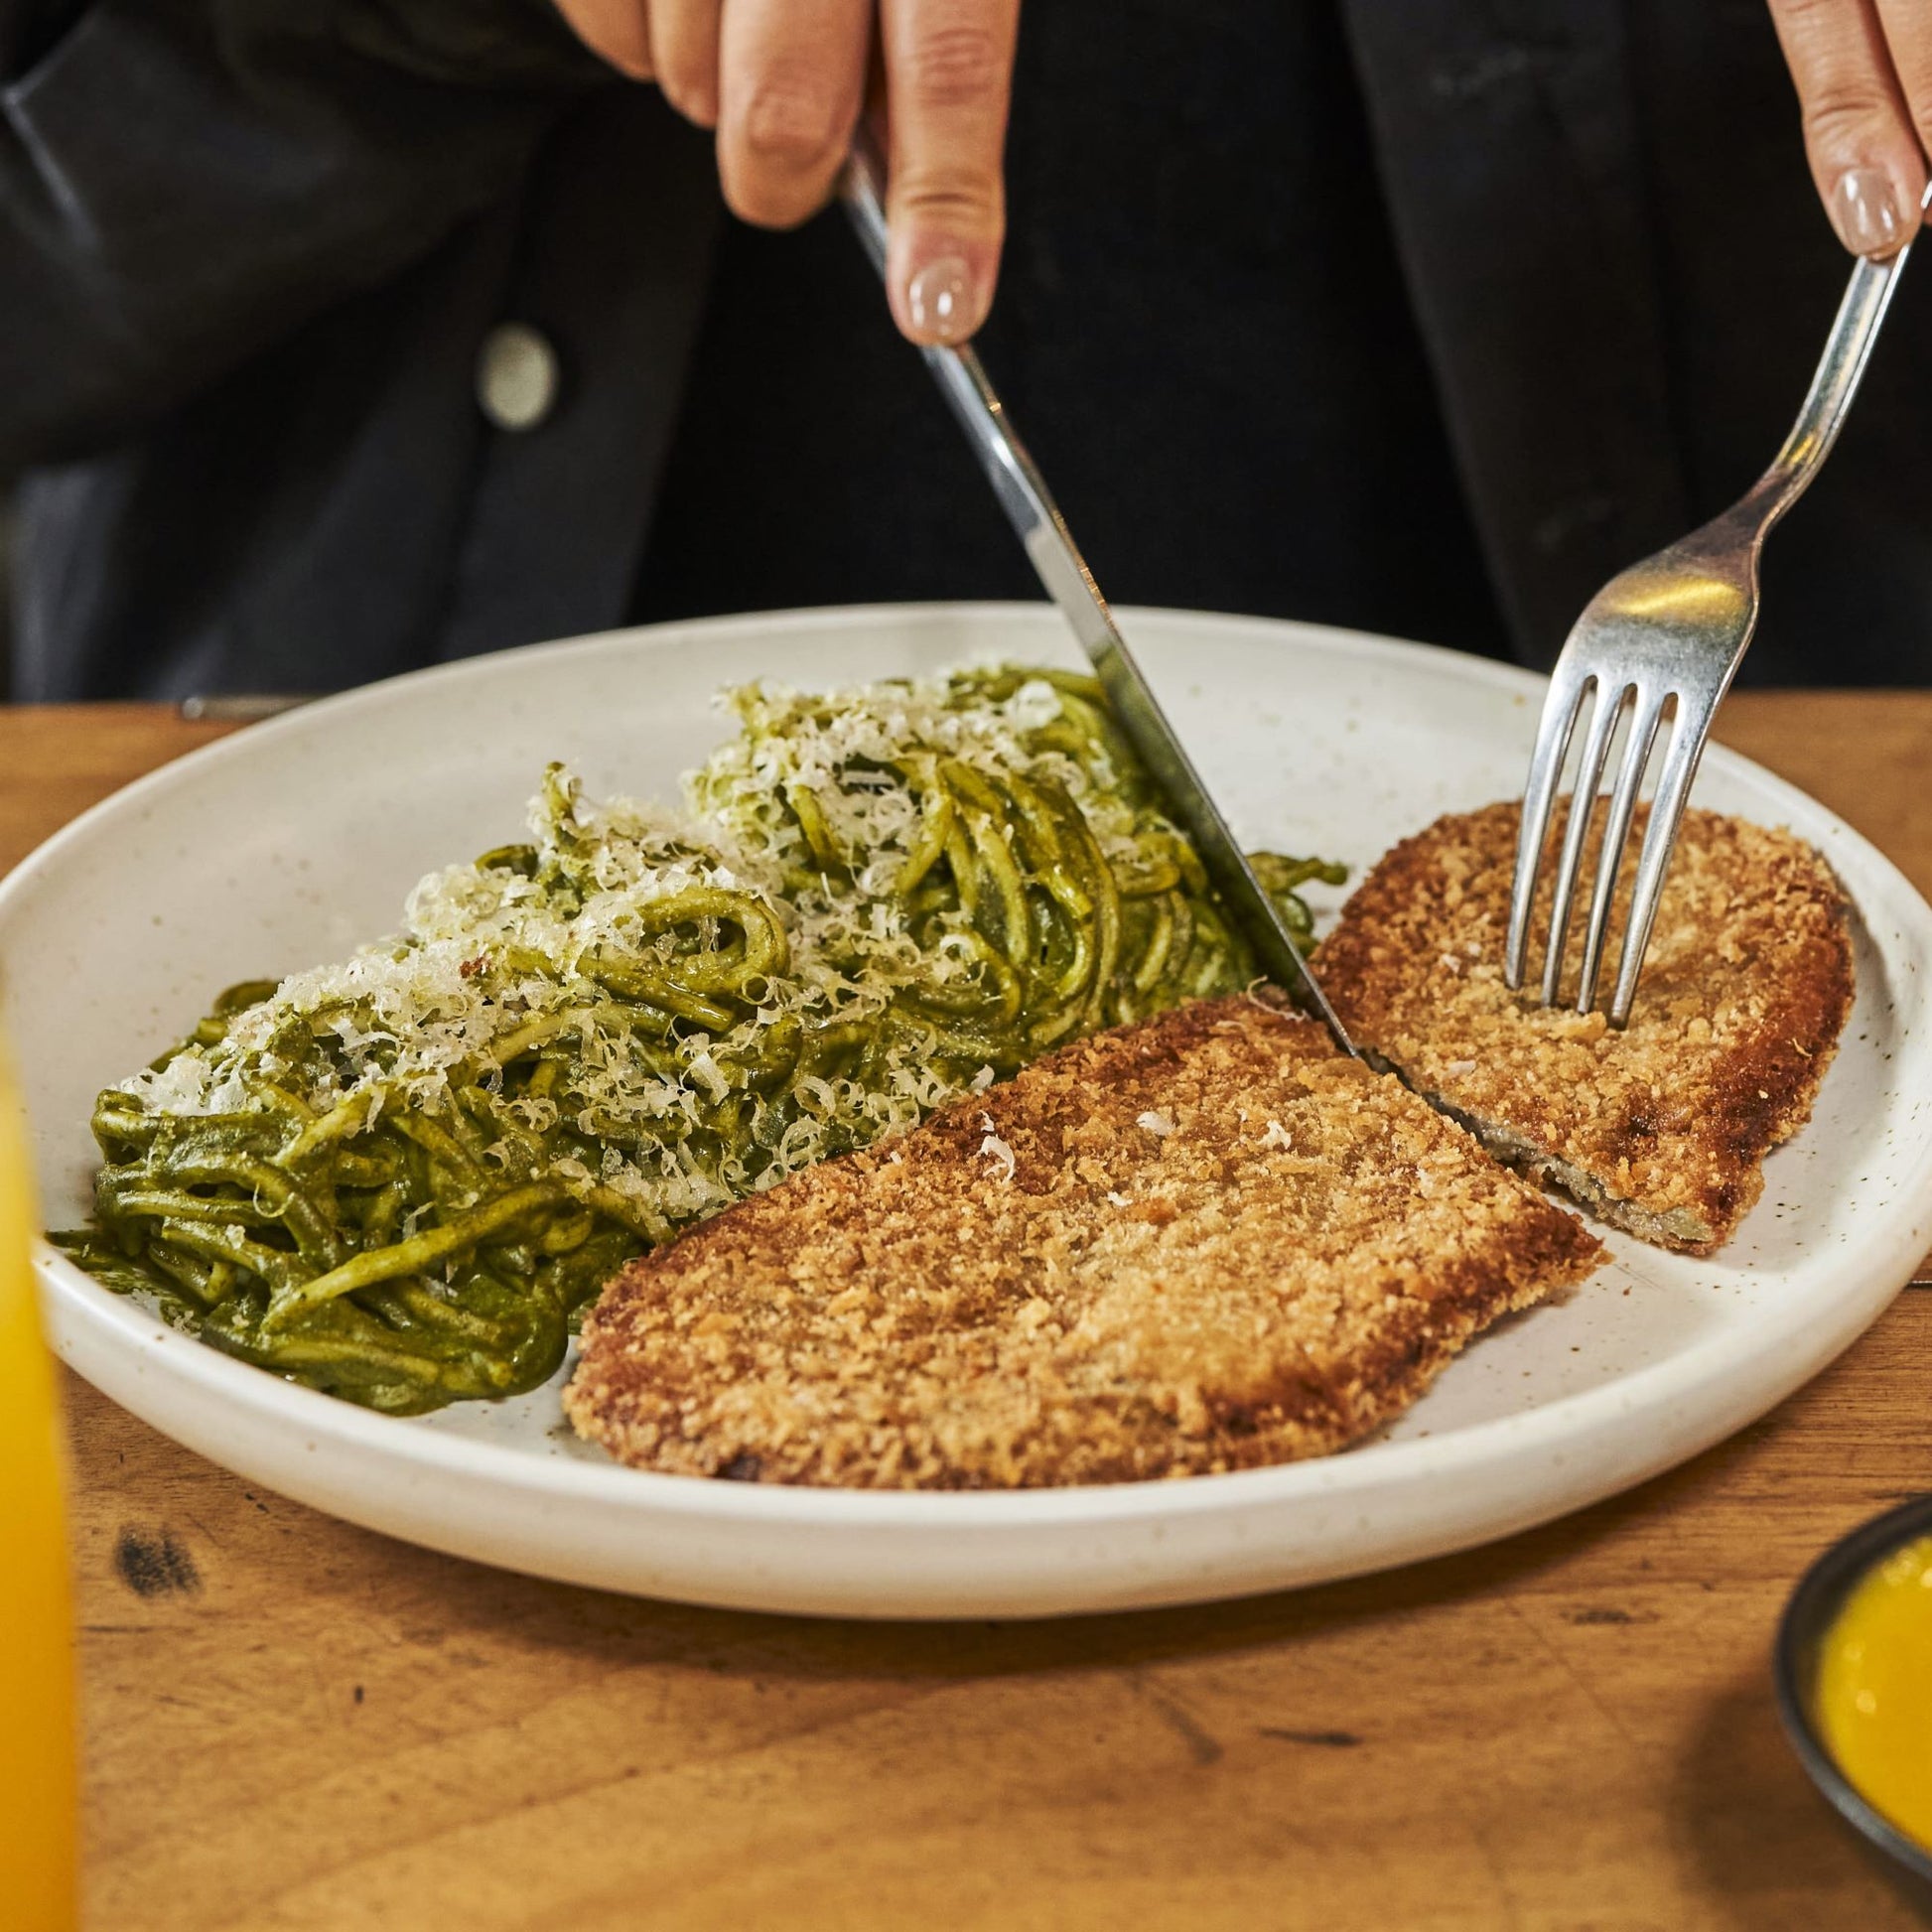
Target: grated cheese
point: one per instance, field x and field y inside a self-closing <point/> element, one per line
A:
<point x="486" y="955"/>
<point x="993" y="1148"/>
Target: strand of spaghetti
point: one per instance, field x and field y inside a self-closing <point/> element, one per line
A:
<point x="419" y="1251"/>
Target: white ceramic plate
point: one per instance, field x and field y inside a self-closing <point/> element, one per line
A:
<point x="291" y="842"/>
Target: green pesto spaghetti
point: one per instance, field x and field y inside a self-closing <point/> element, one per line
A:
<point x="399" y="1178"/>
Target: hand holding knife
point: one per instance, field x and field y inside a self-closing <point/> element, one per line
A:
<point x="1031" y="509"/>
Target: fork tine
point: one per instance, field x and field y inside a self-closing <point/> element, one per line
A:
<point x="1583" y="807"/>
<point x="1645" y="717"/>
<point x="1553" y="732"/>
<point x="1659" y="840"/>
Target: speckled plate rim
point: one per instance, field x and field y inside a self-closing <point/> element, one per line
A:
<point x="1020" y="1552"/>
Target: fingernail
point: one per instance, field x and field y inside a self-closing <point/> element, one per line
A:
<point x="940" y="301"/>
<point x="1864" y="212"/>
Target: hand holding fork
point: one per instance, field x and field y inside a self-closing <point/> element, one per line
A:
<point x="1667" y="634"/>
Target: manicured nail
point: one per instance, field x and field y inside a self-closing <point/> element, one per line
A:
<point x="940" y="301"/>
<point x="1864" y="212"/>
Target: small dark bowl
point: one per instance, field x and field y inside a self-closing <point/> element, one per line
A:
<point x="1809" y="1616"/>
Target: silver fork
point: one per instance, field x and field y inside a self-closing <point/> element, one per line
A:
<point x="1671" y="629"/>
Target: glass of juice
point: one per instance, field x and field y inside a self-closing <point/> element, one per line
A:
<point x="38" y="1881"/>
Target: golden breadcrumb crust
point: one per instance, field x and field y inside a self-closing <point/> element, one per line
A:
<point x="1661" y="1128"/>
<point x="1202" y="1242"/>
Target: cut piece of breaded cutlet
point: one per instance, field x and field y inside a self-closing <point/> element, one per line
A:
<point x="1202" y="1242"/>
<point x="1661" y="1128"/>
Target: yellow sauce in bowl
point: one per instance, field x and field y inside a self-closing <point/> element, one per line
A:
<point x="1873" y="1698"/>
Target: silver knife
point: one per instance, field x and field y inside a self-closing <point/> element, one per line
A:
<point x="1032" y="512"/>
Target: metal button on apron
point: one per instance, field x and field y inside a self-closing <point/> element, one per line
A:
<point x="517" y="376"/>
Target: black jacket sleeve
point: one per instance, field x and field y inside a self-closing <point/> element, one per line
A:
<point x="184" y="182"/>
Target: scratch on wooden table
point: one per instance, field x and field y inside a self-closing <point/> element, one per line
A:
<point x="1202" y="1746"/>
<point x="1567" y="1665"/>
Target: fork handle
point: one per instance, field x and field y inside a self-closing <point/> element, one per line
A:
<point x="1847" y="350"/>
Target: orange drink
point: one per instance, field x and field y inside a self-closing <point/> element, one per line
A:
<point x="37" y="1749"/>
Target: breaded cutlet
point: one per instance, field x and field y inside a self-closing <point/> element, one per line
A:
<point x="1202" y="1242"/>
<point x="1662" y="1127"/>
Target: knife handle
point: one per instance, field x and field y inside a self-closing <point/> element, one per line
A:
<point x="1015" y="481"/>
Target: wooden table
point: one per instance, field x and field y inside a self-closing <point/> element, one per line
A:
<point x="293" y="1724"/>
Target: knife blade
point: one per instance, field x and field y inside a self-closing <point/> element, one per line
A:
<point x="1064" y="574"/>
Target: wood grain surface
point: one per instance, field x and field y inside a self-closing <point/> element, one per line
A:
<point x="294" y="1724"/>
